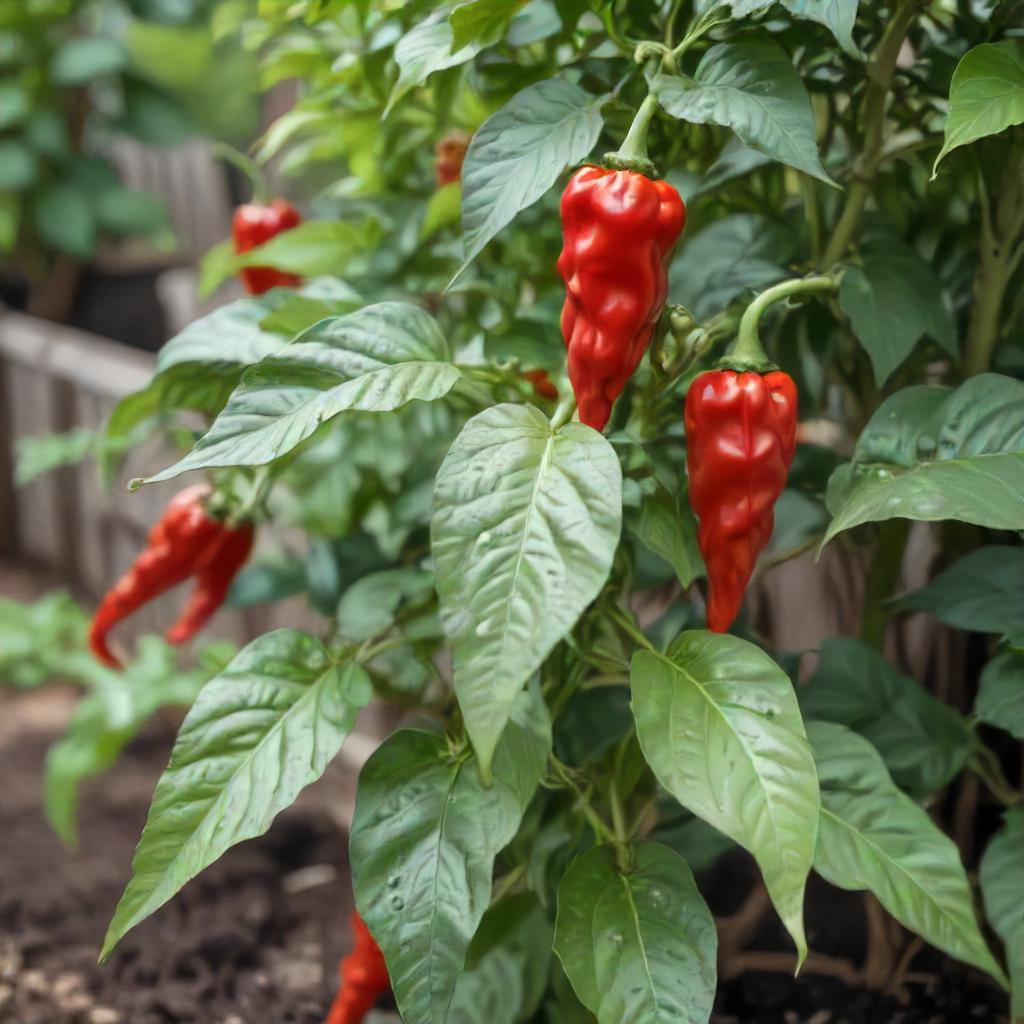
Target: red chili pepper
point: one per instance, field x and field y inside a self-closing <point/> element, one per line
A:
<point x="449" y="155"/>
<point x="543" y="386"/>
<point x="186" y="541"/>
<point x="741" y="438"/>
<point x="364" y="977"/>
<point x="619" y="228"/>
<point x="252" y="226"/>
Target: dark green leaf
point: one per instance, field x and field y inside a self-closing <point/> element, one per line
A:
<point x="1001" y="695"/>
<point x="982" y="592"/>
<point x="479" y="20"/>
<point x="64" y="219"/>
<point x="752" y="87"/>
<point x="80" y="60"/>
<point x="18" y="166"/>
<point x="128" y="211"/>
<point x="1002" y="886"/>
<point x="923" y="741"/>
<point x="663" y="528"/>
<point x="637" y="944"/>
<point x="519" y="152"/>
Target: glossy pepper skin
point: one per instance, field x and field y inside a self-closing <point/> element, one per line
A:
<point x="741" y="438"/>
<point x="185" y="542"/>
<point x="364" y="977"/>
<point x="253" y="225"/>
<point x="618" y="231"/>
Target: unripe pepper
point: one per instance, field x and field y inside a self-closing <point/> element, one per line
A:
<point x="619" y="228"/>
<point x="186" y="541"/>
<point x="364" y="977"/>
<point x="254" y="224"/>
<point x="741" y="438"/>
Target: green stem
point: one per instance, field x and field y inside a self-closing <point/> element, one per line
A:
<point x="880" y="72"/>
<point x="882" y="579"/>
<point x="748" y="350"/>
<point x="631" y="629"/>
<point x="632" y="154"/>
<point x="984" y="763"/>
<point x="249" y="167"/>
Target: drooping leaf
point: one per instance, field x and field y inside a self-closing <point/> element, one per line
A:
<point x="424" y="838"/>
<point x="931" y="453"/>
<point x="637" y="944"/>
<point x="519" y="152"/>
<point x="479" y="20"/>
<point x="1002" y="885"/>
<point x="893" y="300"/>
<point x="719" y="724"/>
<point x="670" y="532"/>
<point x="751" y="87"/>
<point x="839" y="16"/>
<point x="981" y="592"/>
<point x="1001" y="694"/>
<point x="524" y="528"/>
<point x="874" y="837"/>
<point x="986" y="95"/>
<point x="373" y="360"/>
<point x="258" y="734"/>
<point x="924" y="742"/>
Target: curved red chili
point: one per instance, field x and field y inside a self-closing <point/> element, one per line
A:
<point x="364" y="977"/>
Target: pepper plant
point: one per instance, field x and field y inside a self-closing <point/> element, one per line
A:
<point x="528" y="581"/>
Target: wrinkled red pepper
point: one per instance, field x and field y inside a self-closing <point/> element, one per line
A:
<point x="619" y="228"/>
<point x="186" y="541"/>
<point x="741" y="439"/>
<point x="253" y="225"/>
<point x="364" y="977"/>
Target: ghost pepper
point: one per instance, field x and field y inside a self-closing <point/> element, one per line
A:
<point x="619" y="228"/>
<point x="254" y="224"/>
<point x="741" y="438"/>
<point x="364" y="977"/>
<point x="186" y="541"/>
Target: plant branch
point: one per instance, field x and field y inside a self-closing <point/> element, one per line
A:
<point x="880" y="72"/>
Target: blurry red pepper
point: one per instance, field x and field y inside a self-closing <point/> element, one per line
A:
<point x="253" y="225"/>
<point x="741" y="438"/>
<point x="364" y="977"/>
<point x="619" y="228"/>
<point x="449" y="155"/>
<point x="543" y="386"/>
<point x="186" y="541"/>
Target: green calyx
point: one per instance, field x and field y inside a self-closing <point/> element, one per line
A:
<point x="632" y="154"/>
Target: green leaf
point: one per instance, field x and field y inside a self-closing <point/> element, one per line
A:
<point x="930" y="453"/>
<point x="37" y="455"/>
<point x="639" y="944"/>
<point x="368" y="607"/>
<point x="36" y="639"/>
<point x="129" y="211"/>
<point x="298" y="311"/>
<point x="662" y="527"/>
<point x="442" y="210"/>
<point x="719" y="724"/>
<point x="47" y="134"/>
<point x="374" y="360"/>
<point x="81" y="60"/>
<point x="524" y="528"/>
<point x="1002" y="885"/>
<point x="923" y="741"/>
<point x="874" y="837"/>
<point x="751" y="87"/>
<point x="64" y="219"/>
<point x="15" y="105"/>
<point x="425" y="49"/>
<point x="480" y="20"/>
<point x="986" y="95"/>
<point x="216" y="266"/>
<point x="173" y="56"/>
<point x="423" y="842"/>
<point x="735" y="254"/>
<point x="839" y="16"/>
<point x="519" y="153"/>
<point x="507" y="965"/>
<point x="313" y="248"/>
<point x="799" y="521"/>
<point x="892" y="301"/>
<point x="18" y="166"/>
<point x="118" y="704"/>
<point x="258" y="734"/>
<point x="1000" y="699"/>
<point x="981" y="592"/>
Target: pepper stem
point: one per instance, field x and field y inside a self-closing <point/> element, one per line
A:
<point x="248" y="167"/>
<point x="632" y="154"/>
<point x="748" y="353"/>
